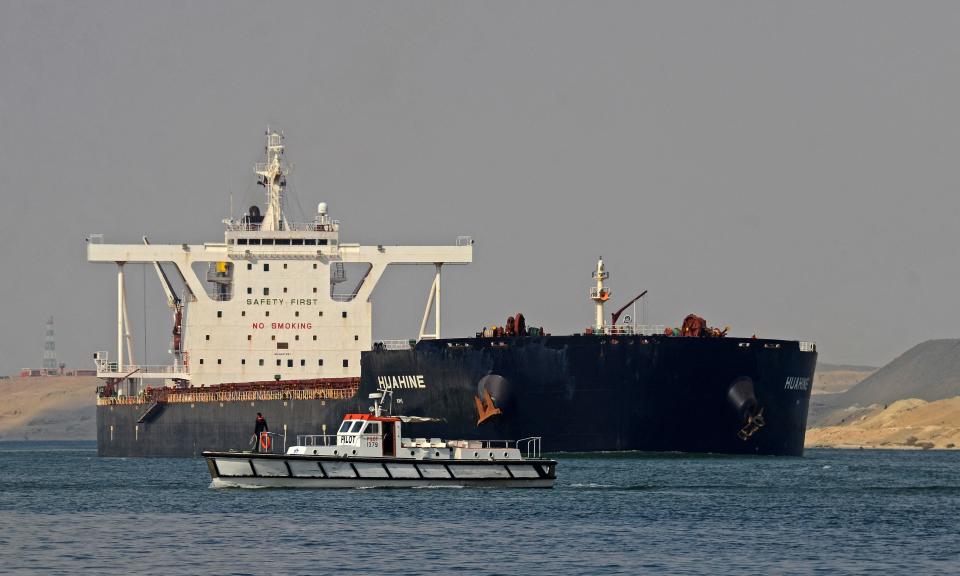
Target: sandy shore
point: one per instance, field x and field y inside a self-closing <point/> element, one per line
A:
<point x="905" y="424"/>
<point x="55" y="408"/>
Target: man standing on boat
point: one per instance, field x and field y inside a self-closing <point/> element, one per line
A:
<point x="261" y="438"/>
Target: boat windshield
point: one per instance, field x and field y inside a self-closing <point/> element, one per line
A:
<point x="356" y="426"/>
<point x="345" y="426"/>
<point x="372" y="428"/>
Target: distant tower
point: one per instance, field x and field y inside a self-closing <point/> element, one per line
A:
<point x="50" y="349"/>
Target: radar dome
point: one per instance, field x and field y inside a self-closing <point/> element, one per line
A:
<point x="322" y="208"/>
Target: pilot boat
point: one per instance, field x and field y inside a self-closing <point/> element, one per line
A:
<point x="370" y="451"/>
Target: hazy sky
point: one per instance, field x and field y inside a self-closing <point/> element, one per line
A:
<point x="789" y="169"/>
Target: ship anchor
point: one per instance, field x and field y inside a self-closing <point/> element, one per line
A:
<point x="754" y="423"/>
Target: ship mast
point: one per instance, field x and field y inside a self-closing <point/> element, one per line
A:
<point x="600" y="293"/>
<point x="273" y="176"/>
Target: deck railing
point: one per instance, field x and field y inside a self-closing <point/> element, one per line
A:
<point x="189" y="396"/>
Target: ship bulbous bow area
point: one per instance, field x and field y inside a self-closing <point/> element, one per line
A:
<point x="742" y="397"/>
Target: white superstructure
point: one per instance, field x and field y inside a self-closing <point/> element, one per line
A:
<point x="263" y="306"/>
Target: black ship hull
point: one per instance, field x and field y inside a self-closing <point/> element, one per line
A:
<point x="580" y="393"/>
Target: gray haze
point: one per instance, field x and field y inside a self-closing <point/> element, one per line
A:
<point x="789" y="169"/>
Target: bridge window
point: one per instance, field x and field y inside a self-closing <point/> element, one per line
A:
<point x="254" y="241"/>
<point x="322" y="241"/>
<point x="283" y="242"/>
<point x="242" y="241"/>
<point x="356" y="426"/>
<point x="268" y="241"/>
<point x="297" y="241"/>
<point x="309" y="241"/>
<point x="372" y="428"/>
<point x="345" y="426"/>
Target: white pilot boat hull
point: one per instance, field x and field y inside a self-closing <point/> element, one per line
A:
<point x="232" y="469"/>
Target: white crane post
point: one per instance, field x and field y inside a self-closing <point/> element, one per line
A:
<point x="120" y="314"/>
<point x="436" y="302"/>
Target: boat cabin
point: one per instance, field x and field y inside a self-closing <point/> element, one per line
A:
<point x="372" y="436"/>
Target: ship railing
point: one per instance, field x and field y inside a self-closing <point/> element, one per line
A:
<point x="395" y="344"/>
<point x="104" y="366"/>
<point x="330" y="226"/>
<point x="190" y="396"/>
<point x="630" y="329"/>
<point x="260" y="395"/>
<point x="316" y="439"/>
<point x="343" y="297"/>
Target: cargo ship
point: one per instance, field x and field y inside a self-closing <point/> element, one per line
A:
<point x="268" y="321"/>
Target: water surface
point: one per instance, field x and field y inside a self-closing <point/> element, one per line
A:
<point x="64" y="510"/>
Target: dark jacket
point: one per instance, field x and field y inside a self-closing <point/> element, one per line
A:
<point x="261" y="426"/>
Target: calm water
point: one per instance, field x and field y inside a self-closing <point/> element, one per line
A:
<point x="63" y="510"/>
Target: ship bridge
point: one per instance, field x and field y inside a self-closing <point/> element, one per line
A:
<point x="262" y="304"/>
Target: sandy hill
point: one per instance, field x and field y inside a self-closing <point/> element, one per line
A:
<point x="54" y="408"/>
<point x="928" y="371"/>
<point x="910" y="423"/>
<point x="837" y="378"/>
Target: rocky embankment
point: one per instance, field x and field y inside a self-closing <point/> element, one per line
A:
<point x="50" y="408"/>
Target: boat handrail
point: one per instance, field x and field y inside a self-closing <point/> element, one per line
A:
<point x="316" y="439"/>
<point x="530" y="446"/>
<point x="275" y="438"/>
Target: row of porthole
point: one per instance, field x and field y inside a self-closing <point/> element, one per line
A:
<point x="243" y="313"/>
